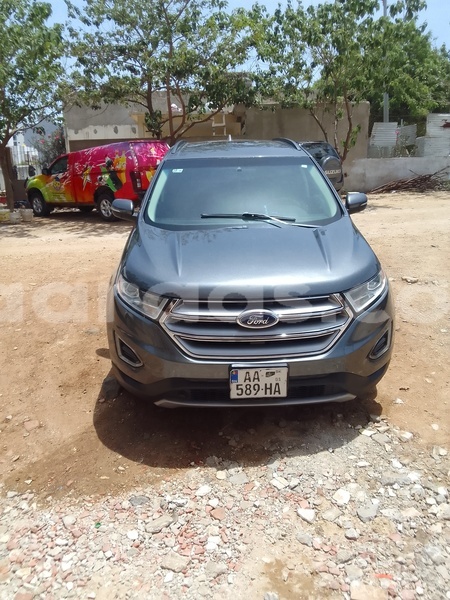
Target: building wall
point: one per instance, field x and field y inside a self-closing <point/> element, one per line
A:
<point x="298" y="124"/>
<point x="364" y="175"/>
<point x="86" y="127"/>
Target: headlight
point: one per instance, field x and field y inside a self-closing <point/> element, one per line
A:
<point x="151" y="305"/>
<point x="361" y="296"/>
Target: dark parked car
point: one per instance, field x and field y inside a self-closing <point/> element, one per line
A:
<point x="328" y="159"/>
<point x="245" y="283"/>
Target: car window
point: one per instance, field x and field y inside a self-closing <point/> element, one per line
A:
<point x="320" y="149"/>
<point x="286" y="187"/>
<point x="60" y="166"/>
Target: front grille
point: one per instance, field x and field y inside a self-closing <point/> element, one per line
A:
<point x="306" y="326"/>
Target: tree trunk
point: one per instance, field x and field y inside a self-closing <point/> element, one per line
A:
<point x="6" y="168"/>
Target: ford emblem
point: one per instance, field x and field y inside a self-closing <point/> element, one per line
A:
<point x="257" y="319"/>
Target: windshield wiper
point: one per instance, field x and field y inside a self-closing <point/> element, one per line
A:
<point x="248" y="216"/>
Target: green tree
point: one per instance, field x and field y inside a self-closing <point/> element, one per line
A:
<point x="30" y="71"/>
<point x="403" y="62"/>
<point x="315" y="59"/>
<point x="50" y="146"/>
<point x="332" y="56"/>
<point x="185" y="51"/>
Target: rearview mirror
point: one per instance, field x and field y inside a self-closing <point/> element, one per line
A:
<point x="355" y="202"/>
<point x="123" y="209"/>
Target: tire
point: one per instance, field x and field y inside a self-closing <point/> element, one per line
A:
<point x="38" y="204"/>
<point x="86" y="209"/>
<point x="104" y="202"/>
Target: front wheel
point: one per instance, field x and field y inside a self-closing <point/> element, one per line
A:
<point x="104" y="206"/>
<point x="39" y="205"/>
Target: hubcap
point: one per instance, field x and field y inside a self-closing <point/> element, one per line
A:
<point x="105" y="208"/>
<point x="37" y="204"/>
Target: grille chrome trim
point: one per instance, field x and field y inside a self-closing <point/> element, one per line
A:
<point x="210" y="330"/>
<point x="263" y="338"/>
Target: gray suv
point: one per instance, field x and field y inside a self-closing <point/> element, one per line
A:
<point x="245" y="283"/>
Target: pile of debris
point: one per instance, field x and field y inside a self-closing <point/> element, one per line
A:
<point x="419" y="183"/>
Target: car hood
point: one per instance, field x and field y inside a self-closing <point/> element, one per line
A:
<point x="255" y="260"/>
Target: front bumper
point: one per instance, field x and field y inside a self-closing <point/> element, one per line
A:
<point x="168" y="377"/>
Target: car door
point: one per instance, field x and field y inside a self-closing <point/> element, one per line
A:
<point x="59" y="187"/>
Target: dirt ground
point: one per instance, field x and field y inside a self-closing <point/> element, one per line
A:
<point x="60" y="437"/>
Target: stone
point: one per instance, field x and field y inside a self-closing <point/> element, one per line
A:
<point x="359" y="591"/>
<point x="218" y="513"/>
<point x="279" y="482"/>
<point x="133" y="535"/>
<point x="443" y="512"/>
<point x="331" y="514"/>
<point x="307" y="514"/>
<point x="351" y="534"/>
<point x="213" y="569"/>
<point x="222" y="475"/>
<point x="238" y="479"/>
<point x="394" y="479"/>
<point x="381" y="438"/>
<point x="353" y="572"/>
<point x="305" y="539"/>
<point x="367" y="513"/>
<point x="30" y="425"/>
<point x="435" y="554"/>
<point x="110" y="388"/>
<point x="341" y="497"/>
<point x="139" y="500"/>
<point x="367" y="432"/>
<point x="203" y="490"/>
<point x="174" y="562"/>
<point x="408" y="595"/>
<point x="438" y="452"/>
<point x="159" y="524"/>
<point x="410" y="513"/>
<point x="69" y="521"/>
<point x="343" y="556"/>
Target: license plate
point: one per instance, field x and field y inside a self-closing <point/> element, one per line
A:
<point x="261" y="382"/>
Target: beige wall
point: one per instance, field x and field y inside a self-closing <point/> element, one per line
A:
<point x="86" y="127"/>
<point x="298" y="124"/>
<point x="367" y="174"/>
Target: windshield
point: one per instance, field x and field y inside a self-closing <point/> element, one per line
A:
<point x="224" y="189"/>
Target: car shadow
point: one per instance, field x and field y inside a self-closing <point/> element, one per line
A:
<point x="178" y="438"/>
<point x="133" y="441"/>
<point x="66" y="221"/>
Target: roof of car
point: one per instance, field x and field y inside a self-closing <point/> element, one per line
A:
<point x="233" y="148"/>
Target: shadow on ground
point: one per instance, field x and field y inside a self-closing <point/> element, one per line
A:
<point x="177" y="438"/>
<point x="134" y="443"/>
<point x="65" y="221"/>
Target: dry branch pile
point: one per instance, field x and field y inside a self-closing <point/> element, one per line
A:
<point x="419" y="183"/>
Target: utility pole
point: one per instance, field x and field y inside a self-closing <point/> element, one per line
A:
<point x="385" y="95"/>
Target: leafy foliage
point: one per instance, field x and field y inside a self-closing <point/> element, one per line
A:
<point x="331" y="56"/>
<point x="160" y="54"/>
<point x="50" y="146"/>
<point x="30" y="71"/>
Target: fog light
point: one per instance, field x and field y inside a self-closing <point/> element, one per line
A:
<point x="381" y="346"/>
<point x="127" y="354"/>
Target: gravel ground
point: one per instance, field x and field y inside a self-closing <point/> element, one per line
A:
<point x="368" y="518"/>
<point x="109" y="498"/>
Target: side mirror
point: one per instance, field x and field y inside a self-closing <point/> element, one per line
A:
<point x="45" y="171"/>
<point x="123" y="209"/>
<point x="355" y="202"/>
